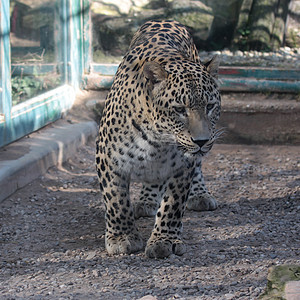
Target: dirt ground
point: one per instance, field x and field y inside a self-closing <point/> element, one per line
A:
<point x="52" y="233"/>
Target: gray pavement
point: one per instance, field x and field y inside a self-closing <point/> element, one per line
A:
<point x="28" y="158"/>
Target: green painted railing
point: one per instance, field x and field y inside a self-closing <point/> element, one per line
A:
<point x="5" y="85"/>
<point x="235" y="79"/>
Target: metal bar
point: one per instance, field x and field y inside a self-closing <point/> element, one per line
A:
<point x="254" y="85"/>
<point x="5" y="85"/>
<point x="232" y="79"/>
<point x="63" y="11"/>
<point x="104" y="69"/>
<point x="260" y="73"/>
<point x="30" y="69"/>
<point x="71" y="24"/>
<point x="87" y="35"/>
<point x="98" y="82"/>
<point x="75" y="42"/>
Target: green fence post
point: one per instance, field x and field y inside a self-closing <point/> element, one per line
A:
<point x="5" y="84"/>
<point x="87" y="36"/>
<point x="74" y="21"/>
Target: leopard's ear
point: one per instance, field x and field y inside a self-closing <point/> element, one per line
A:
<point x="154" y="72"/>
<point x="212" y="66"/>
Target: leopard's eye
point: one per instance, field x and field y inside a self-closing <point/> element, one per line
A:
<point x="179" y="109"/>
<point x="209" y="107"/>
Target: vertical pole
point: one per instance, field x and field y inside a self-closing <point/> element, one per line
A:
<point x="61" y="34"/>
<point x="87" y="36"/>
<point x="64" y="8"/>
<point x="5" y="84"/>
<point x="76" y="11"/>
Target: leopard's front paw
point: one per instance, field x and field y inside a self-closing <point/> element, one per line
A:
<point x="164" y="248"/>
<point x="123" y="244"/>
<point x="144" y="209"/>
<point x="202" y="202"/>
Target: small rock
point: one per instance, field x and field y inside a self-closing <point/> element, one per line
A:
<point x="148" y="297"/>
<point x="229" y="296"/>
<point x="96" y="273"/>
<point x="61" y="270"/>
<point x="91" y="255"/>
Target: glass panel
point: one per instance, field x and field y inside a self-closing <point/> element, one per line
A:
<point x="261" y="33"/>
<point x="33" y="48"/>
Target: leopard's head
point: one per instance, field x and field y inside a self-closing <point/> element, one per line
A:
<point x="186" y="102"/>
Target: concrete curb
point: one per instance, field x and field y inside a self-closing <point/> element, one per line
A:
<point x="23" y="161"/>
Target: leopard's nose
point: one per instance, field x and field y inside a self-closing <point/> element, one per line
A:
<point x="200" y="143"/>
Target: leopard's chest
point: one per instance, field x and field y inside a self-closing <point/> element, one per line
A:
<point x="155" y="164"/>
<point x="158" y="170"/>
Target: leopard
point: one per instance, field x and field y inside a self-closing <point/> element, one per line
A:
<point x="158" y="122"/>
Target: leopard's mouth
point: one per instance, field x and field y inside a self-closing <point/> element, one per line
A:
<point x="204" y="149"/>
<point x="198" y="152"/>
<point x="192" y="150"/>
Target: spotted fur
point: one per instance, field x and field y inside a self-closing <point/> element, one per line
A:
<point x="159" y="120"/>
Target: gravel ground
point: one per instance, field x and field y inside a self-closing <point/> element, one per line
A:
<point x="52" y="233"/>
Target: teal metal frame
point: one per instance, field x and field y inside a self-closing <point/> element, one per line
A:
<point x="24" y="118"/>
<point x="5" y="85"/>
<point x="232" y="79"/>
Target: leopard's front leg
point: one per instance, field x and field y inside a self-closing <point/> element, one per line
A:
<point x="166" y="235"/>
<point x="200" y="198"/>
<point x="148" y="204"/>
<point x="122" y="236"/>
